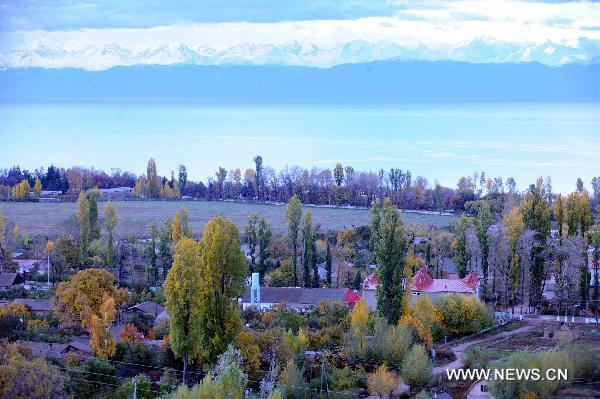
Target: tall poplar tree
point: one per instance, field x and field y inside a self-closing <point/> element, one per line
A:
<point x="82" y="212"/>
<point x="294" y="216"/>
<point x="461" y="255"/>
<point x="251" y="231"/>
<point x="258" y="163"/>
<point x="536" y="216"/>
<point x="110" y="222"/>
<point x="223" y="268"/>
<point x="390" y="254"/>
<point x="307" y="254"/>
<point x="153" y="183"/>
<point x="328" y="262"/>
<point x="182" y="291"/>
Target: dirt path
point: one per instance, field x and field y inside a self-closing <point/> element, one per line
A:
<point x="459" y="350"/>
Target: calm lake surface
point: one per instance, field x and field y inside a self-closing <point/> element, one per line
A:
<point x="439" y="141"/>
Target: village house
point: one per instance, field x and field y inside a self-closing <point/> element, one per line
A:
<point x="10" y="280"/>
<point x="38" y="306"/>
<point x="424" y="284"/>
<point x="297" y="298"/>
<point x="147" y="307"/>
<point x="479" y="390"/>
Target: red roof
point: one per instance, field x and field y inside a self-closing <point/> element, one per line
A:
<point x="471" y="280"/>
<point x="351" y="298"/>
<point x="422" y="280"/>
<point x="370" y="282"/>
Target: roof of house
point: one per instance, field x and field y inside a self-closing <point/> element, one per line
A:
<point x="370" y="282"/>
<point x="162" y="317"/>
<point x="7" y="280"/>
<point x="303" y="296"/>
<point x="36" y="305"/>
<point x="423" y="282"/>
<point x="148" y="307"/>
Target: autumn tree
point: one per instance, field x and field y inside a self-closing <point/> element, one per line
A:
<point x="110" y="222"/>
<point x="390" y="251"/>
<point x="307" y="254"/>
<point x="83" y="295"/>
<point x="101" y="340"/>
<point x="37" y="188"/>
<point x="346" y="242"/>
<point x="23" y="378"/>
<point x="294" y="216"/>
<point x="82" y="212"/>
<point x="381" y="382"/>
<point x="360" y="324"/>
<point x="182" y="291"/>
<point x="514" y="226"/>
<point x="223" y="269"/>
<point x="180" y="227"/>
<point x="21" y="190"/>
<point x="153" y="183"/>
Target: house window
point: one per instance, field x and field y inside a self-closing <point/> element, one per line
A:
<point x="485" y="388"/>
<point x="416" y="293"/>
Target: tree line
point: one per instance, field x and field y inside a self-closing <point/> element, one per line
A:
<point x="341" y="185"/>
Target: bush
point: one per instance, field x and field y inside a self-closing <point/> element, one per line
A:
<point x="586" y="362"/>
<point x="292" y="382"/>
<point x="476" y="358"/>
<point x="97" y="374"/>
<point x="463" y="315"/>
<point x="143" y="389"/>
<point x="291" y="320"/>
<point x="382" y="383"/>
<point x="531" y="388"/>
<point x="344" y="381"/>
<point x="139" y="354"/>
<point x="416" y="368"/>
<point x="161" y="330"/>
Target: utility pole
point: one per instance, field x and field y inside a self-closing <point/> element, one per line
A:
<point x="48" y="270"/>
<point x="135" y="388"/>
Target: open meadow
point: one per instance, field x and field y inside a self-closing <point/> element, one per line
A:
<point x="53" y="219"/>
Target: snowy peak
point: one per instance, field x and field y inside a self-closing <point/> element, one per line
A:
<point x="481" y="50"/>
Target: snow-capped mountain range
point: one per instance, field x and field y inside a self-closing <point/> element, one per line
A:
<point x="483" y="50"/>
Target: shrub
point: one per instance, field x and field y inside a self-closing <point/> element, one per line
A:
<point x="292" y="383"/>
<point x="143" y="389"/>
<point x="462" y="314"/>
<point x="382" y="383"/>
<point x="416" y="368"/>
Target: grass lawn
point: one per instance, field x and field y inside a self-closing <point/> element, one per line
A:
<point x="53" y="219"/>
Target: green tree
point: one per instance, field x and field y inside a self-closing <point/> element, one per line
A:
<point x="4" y="253"/>
<point x="328" y="261"/>
<point x="82" y="212"/>
<point x="265" y="236"/>
<point x="182" y="291"/>
<point x="150" y="250"/>
<point x="258" y="162"/>
<point x="164" y="247"/>
<point x="110" y="222"/>
<point x="536" y="216"/>
<point x="461" y="255"/>
<point x="483" y="220"/>
<point x="94" y="378"/>
<point x="416" y="368"/>
<point x="23" y="378"/>
<point x="223" y="270"/>
<point x="251" y="231"/>
<point x="390" y="254"/>
<point x="142" y="385"/>
<point x="308" y="241"/>
<point x="182" y="178"/>
<point x="93" y="196"/>
<point x="338" y="174"/>
<point x="294" y="216"/>
<point x="153" y="182"/>
<point x="515" y="226"/>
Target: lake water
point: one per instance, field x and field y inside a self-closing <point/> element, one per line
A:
<point x="440" y="142"/>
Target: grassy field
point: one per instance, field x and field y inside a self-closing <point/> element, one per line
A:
<point x="52" y="219"/>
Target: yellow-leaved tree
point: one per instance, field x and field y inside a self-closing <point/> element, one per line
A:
<point x="83" y="295"/>
<point x="381" y="383"/>
<point x="360" y="324"/>
<point x="101" y="340"/>
<point x="180" y="228"/>
<point x="37" y="188"/>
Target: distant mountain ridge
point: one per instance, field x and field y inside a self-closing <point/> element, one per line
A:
<point x="46" y="54"/>
<point x="382" y="81"/>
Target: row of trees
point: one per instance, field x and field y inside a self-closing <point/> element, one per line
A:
<point x="342" y="185"/>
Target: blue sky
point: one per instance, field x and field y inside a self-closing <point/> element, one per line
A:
<point x="57" y="33"/>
